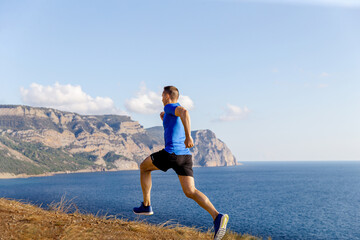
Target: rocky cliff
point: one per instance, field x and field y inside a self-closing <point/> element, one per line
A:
<point x="40" y="140"/>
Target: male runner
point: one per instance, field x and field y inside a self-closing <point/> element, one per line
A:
<point x="176" y="155"/>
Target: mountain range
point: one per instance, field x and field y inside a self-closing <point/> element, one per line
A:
<point x="35" y="141"/>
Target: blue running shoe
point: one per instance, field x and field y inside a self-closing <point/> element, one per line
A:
<point x="143" y="210"/>
<point x="220" y="226"/>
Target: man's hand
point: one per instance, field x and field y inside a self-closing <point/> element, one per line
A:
<point x="189" y="142"/>
<point x="162" y="115"/>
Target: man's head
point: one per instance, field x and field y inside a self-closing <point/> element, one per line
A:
<point x="170" y="95"/>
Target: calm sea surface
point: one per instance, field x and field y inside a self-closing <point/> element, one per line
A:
<point x="296" y="200"/>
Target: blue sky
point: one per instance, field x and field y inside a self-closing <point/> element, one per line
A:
<point x="275" y="80"/>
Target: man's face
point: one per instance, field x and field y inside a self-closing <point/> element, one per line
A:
<point x="165" y="98"/>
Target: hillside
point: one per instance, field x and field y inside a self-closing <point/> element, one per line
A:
<point x="42" y="140"/>
<point x="25" y="221"/>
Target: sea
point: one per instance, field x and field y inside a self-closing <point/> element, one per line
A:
<point x="281" y="200"/>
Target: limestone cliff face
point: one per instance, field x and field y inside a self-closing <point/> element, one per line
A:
<point x="211" y="151"/>
<point x="76" y="133"/>
<point x="96" y="136"/>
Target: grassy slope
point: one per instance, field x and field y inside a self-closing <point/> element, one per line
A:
<point x="25" y="221"/>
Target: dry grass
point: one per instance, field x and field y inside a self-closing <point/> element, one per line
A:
<point x="25" y="221"/>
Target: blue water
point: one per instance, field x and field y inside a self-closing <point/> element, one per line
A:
<point x="284" y="200"/>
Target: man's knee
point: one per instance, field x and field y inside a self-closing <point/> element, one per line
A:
<point x="144" y="166"/>
<point x="190" y="193"/>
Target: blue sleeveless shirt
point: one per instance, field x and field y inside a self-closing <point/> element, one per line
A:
<point x="174" y="133"/>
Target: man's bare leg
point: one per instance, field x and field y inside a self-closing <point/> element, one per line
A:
<point x="145" y="179"/>
<point x="188" y="186"/>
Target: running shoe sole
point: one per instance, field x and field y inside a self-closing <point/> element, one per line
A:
<point x="144" y="213"/>
<point x="222" y="230"/>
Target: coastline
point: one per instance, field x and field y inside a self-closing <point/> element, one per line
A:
<point x="4" y="176"/>
<point x="49" y="174"/>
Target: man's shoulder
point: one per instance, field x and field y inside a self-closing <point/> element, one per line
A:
<point x="170" y="108"/>
<point x="171" y="105"/>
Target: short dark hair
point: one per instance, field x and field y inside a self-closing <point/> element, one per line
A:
<point x="173" y="92"/>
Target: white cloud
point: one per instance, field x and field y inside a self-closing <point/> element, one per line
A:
<point x="145" y="102"/>
<point x="233" y="113"/>
<point x="149" y="102"/>
<point x="68" y="98"/>
<point x="186" y="102"/>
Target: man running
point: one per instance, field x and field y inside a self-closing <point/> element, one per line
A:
<point x="176" y="155"/>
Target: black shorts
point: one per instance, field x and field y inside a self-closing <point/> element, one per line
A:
<point x="182" y="164"/>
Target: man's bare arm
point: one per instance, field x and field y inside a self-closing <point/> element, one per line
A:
<point x="185" y="119"/>
<point x="162" y="115"/>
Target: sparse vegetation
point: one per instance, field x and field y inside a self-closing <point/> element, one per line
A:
<point x="46" y="159"/>
<point x="112" y="157"/>
<point x="26" y="221"/>
<point x="16" y="166"/>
